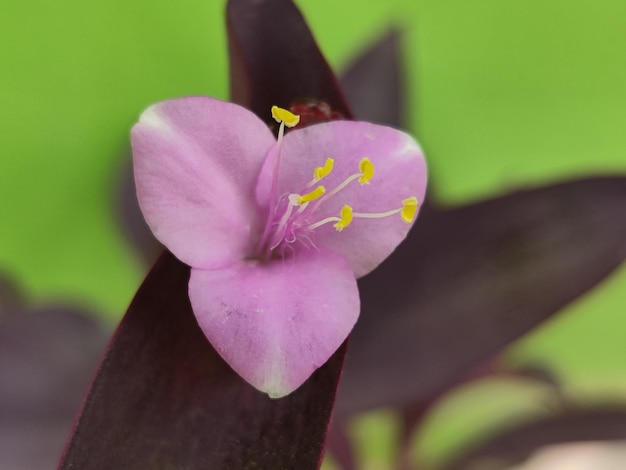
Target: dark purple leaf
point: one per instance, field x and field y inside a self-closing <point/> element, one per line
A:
<point x="515" y="445"/>
<point x="274" y="59"/>
<point x="470" y="280"/>
<point x="412" y="416"/>
<point x="373" y="84"/>
<point x="46" y="360"/>
<point x="163" y="398"/>
<point x="538" y="374"/>
<point x="339" y="445"/>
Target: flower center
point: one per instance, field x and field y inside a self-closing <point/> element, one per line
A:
<point x="293" y="217"/>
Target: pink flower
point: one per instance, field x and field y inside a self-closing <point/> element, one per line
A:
<point x="276" y="231"/>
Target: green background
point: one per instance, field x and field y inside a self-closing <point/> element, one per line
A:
<point x="502" y="95"/>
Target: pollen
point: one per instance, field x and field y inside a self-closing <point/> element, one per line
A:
<point x="345" y="218"/>
<point x="323" y="171"/>
<point x="311" y="196"/>
<point x="366" y="167"/>
<point x="281" y="115"/>
<point x="409" y="209"/>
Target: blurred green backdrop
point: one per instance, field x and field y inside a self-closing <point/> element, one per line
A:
<point x="502" y="95"/>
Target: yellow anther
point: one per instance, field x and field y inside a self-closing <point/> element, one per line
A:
<point x="409" y="208"/>
<point x="286" y="116"/>
<point x="345" y="218"/>
<point x="323" y="171"/>
<point x="311" y="196"/>
<point x="366" y="167"/>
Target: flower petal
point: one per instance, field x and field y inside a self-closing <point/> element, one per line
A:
<point x="196" y="162"/>
<point x="400" y="172"/>
<point x="275" y="323"/>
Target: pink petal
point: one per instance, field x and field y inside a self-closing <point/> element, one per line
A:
<point x="276" y="323"/>
<point x="400" y="173"/>
<point x="196" y="162"/>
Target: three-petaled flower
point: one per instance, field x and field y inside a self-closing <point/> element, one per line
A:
<point x="276" y="231"/>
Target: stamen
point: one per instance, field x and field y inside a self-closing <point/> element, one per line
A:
<point x="325" y="221"/>
<point x="311" y="196"/>
<point x="409" y="209"/>
<point x="285" y="118"/>
<point x="282" y="115"/>
<point x="323" y="171"/>
<point x="366" y="167"/>
<point x="293" y="224"/>
<point x="282" y="223"/>
<point x="346" y="218"/>
<point x="376" y="215"/>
